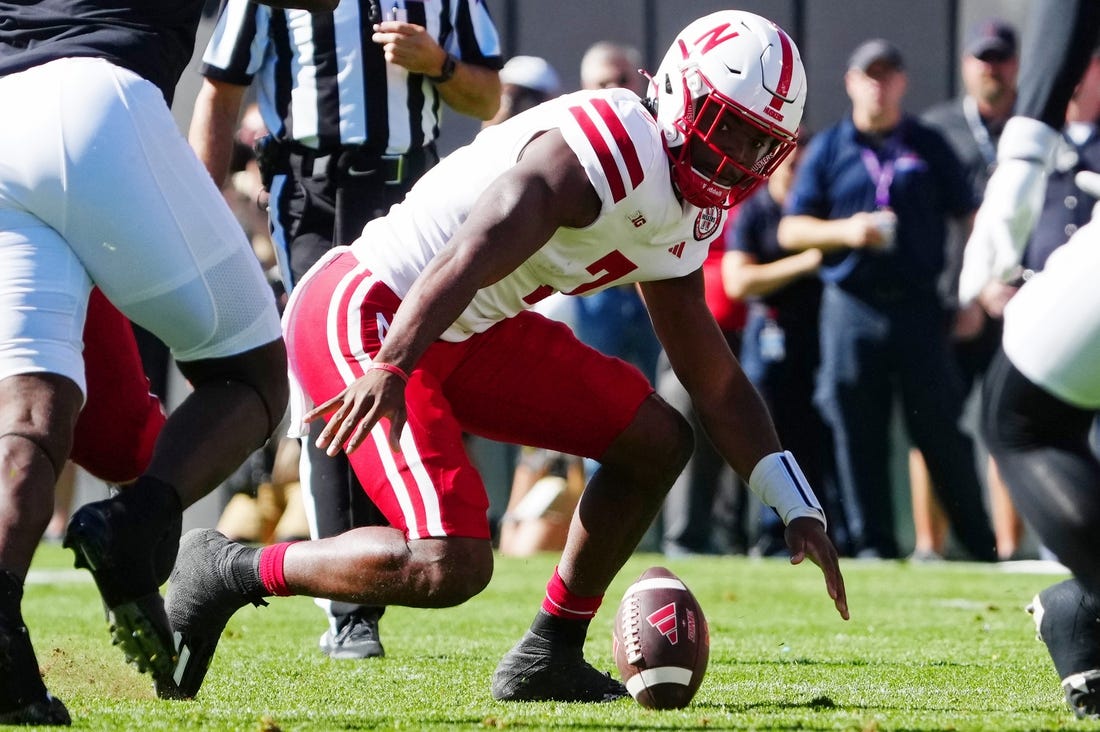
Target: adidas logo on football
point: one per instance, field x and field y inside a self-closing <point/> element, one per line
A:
<point x="677" y="250"/>
<point x="664" y="620"/>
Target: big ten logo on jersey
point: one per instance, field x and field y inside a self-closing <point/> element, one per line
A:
<point x="706" y="223"/>
<point x="637" y="218"/>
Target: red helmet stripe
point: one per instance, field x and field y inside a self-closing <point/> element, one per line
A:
<point x="603" y="153"/>
<point x="622" y="139"/>
<point x="786" y="73"/>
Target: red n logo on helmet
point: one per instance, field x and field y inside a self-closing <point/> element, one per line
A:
<point x="714" y="37"/>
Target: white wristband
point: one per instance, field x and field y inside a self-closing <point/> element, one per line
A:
<point x="779" y="482"/>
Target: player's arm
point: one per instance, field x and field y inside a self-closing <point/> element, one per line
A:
<point x="213" y="125"/>
<point x="737" y="421"/>
<point x="471" y="89"/>
<point x="514" y="217"/>
<point x="1061" y="35"/>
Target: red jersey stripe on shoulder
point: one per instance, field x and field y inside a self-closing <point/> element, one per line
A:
<point x="603" y="152"/>
<point x="622" y="139"/>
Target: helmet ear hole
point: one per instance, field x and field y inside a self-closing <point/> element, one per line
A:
<point x="668" y="84"/>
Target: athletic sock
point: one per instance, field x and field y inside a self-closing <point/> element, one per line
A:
<point x="563" y="603"/>
<point x="270" y="569"/>
<point x="560" y="632"/>
<point x="152" y="498"/>
<point x="564" y="616"/>
<point x="11" y="596"/>
<point x="22" y="683"/>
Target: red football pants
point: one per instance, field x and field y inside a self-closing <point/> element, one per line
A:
<point x="527" y="380"/>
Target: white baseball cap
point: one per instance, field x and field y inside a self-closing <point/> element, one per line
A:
<point x="532" y="72"/>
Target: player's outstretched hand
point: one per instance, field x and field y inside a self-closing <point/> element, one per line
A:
<point x="357" y="409"/>
<point x="806" y="537"/>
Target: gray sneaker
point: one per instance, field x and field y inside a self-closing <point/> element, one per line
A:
<point x="357" y="639"/>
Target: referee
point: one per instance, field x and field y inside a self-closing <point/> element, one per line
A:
<point x="352" y="99"/>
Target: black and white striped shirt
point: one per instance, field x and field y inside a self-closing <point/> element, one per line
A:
<point x="324" y="83"/>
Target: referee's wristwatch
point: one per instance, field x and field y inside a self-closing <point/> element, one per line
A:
<point x="448" y="71"/>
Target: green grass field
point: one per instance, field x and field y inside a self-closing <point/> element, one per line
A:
<point x="929" y="647"/>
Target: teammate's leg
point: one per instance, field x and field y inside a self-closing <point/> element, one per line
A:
<point x="130" y="199"/>
<point x="1041" y="446"/>
<point x="41" y="392"/>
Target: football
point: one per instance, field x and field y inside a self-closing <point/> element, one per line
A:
<point x="660" y="641"/>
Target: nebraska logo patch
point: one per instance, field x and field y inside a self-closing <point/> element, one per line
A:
<point x="664" y="620"/>
<point x="706" y="223"/>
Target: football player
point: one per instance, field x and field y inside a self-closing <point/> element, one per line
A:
<point x="99" y="188"/>
<point x="1042" y="393"/>
<point x="421" y="330"/>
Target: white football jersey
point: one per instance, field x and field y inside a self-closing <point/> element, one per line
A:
<point x="643" y="232"/>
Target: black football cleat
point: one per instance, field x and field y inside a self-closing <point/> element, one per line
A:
<point x="356" y="639"/>
<point x="107" y="540"/>
<point x="1067" y="621"/>
<point x="536" y="670"/>
<point x="201" y="599"/>
<point x="23" y="697"/>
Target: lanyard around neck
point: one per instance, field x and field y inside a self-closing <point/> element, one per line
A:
<point x="979" y="131"/>
<point x="881" y="172"/>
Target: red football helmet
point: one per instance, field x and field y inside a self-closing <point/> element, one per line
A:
<point x="730" y="94"/>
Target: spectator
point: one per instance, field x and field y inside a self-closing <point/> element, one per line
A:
<point x="337" y="160"/>
<point x="1066" y="207"/>
<point x="780" y="351"/>
<point x="448" y="276"/>
<point x="875" y="192"/>
<point x="525" y="82"/>
<point x="972" y="125"/>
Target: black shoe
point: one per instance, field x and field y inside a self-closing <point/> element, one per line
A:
<point x="46" y="711"/>
<point x="201" y="599"/>
<point x="1067" y="621"/>
<point x="23" y="696"/>
<point x="115" y="546"/>
<point x="536" y="671"/>
<point x="357" y="639"/>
